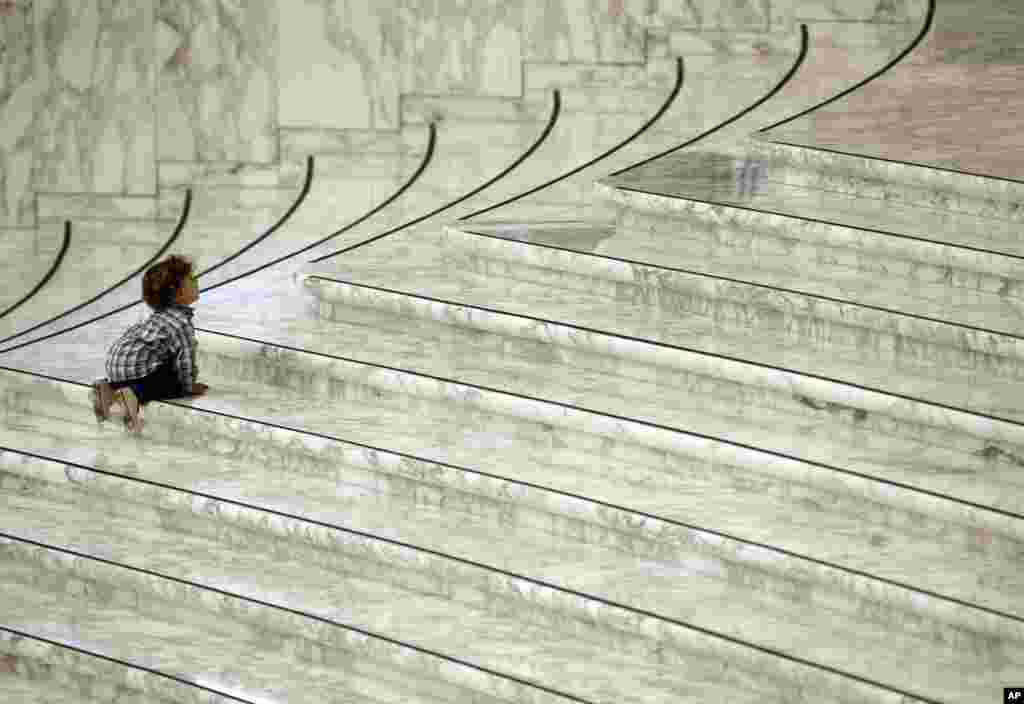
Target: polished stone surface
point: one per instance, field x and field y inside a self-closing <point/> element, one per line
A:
<point x="427" y="509"/>
<point x="230" y="100"/>
<point x="952" y="103"/>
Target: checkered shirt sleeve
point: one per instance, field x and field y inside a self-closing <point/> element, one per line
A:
<point x="167" y="335"/>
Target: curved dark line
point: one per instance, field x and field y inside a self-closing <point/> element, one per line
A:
<point x="608" y="152"/>
<point x="552" y="119"/>
<point x="718" y="277"/>
<point x="468" y="470"/>
<point x="49" y="274"/>
<point x="778" y="86"/>
<point x="830" y="223"/>
<point x="186" y="208"/>
<point x="639" y="421"/>
<point x="377" y="208"/>
<point x="280" y="221"/>
<point x="811" y="147"/>
<point x="188" y="200"/>
<point x="446" y="556"/>
<point x="298" y="612"/>
<point x="929" y="16"/>
<point x="125" y="663"/>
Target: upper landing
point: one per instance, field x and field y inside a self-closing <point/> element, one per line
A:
<point x="953" y="102"/>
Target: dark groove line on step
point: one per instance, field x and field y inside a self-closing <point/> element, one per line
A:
<point x="667" y="345"/>
<point x="279" y="607"/>
<point x="831" y="223"/>
<point x="801" y="56"/>
<point x="669" y="101"/>
<point x="124" y="663"/>
<point x="424" y="161"/>
<point x="488" y="568"/>
<point x="649" y="424"/>
<point x="718" y="277"/>
<point x="901" y="162"/>
<point x="925" y="27"/>
<point x="182" y="219"/>
<point x="556" y="109"/>
<point x="520" y="482"/>
<point x="49" y="274"/>
<point x="188" y="199"/>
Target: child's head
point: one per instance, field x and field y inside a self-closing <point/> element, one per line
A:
<point x="169" y="281"/>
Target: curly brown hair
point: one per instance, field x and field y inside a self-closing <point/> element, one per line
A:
<point x="162" y="281"/>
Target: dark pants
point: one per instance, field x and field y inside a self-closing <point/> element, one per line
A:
<point x="157" y="386"/>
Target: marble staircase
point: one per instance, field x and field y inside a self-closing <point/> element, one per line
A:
<point x="601" y="553"/>
<point x="738" y="424"/>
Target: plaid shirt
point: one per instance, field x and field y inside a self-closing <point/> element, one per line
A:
<point x="167" y="335"/>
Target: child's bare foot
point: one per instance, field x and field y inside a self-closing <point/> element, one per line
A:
<point x="102" y="399"/>
<point x="199" y="389"/>
<point x="132" y="410"/>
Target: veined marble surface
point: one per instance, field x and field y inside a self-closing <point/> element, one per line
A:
<point x="952" y="103"/>
<point x="95" y="129"/>
<point x="631" y="309"/>
<point x="341" y="65"/>
<point x="762" y="184"/>
<point x="20" y="101"/>
<point x="585" y="30"/>
<point x="458" y="46"/>
<point x="644" y="582"/>
<point x="218" y="79"/>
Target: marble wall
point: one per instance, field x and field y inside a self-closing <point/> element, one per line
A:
<point x="76" y="101"/>
<point x="341" y="68"/>
<point x="217" y="96"/>
<point x="94" y="123"/>
<point x="585" y="30"/>
<point x="18" y="108"/>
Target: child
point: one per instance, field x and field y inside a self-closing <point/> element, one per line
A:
<point x="154" y="359"/>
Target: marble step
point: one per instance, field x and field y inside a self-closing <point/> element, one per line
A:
<point x="492" y="627"/>
<point x="906" y="441"/>
<point x="645" y="301"/>
<point x="29" y="681"/>
<point x="645" y="581"/>
<point x="361" y="495"/>
<point x="41" y="671"/>
<point x="890" y="181"/>
<point x="842" y="326"/>
<point x="494" y="499"/>
<point x="798" y="504"/>
<point x="704" y="248"/>
<point x="214" y="640"/>
<point x="924" y="243"/>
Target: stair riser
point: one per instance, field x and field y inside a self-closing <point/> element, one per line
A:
<point x="557" y="427"/>
<point x="100" y="680"/>
<point x="874" y="178"/>
<point x="778" y="250"/>
<point x="91" y="585"/>
<point x="220" y="521"/>
<point x="946" y="346"/>
<point x="295" y="635"/>
<point x="731" y="387"/>
<point x="826" y="243"/>
<point x="33" y="681"/>
<point x="550" y="512"/>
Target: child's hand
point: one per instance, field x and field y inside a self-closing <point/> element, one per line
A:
<point x="199" y="389"/>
